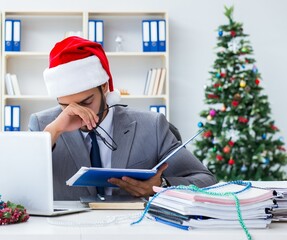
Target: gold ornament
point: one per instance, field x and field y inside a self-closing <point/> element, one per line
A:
<point x="209" y="118"/>
<point x="242" y="83"/>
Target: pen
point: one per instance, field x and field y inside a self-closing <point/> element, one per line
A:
<point x="102" y="198"/>
<point x="157" y="219"/>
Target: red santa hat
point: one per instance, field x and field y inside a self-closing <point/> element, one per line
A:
<point x="76" y="65"/>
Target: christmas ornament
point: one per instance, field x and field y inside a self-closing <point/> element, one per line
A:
<point x="214" y="149"/>
<point x="212" y="113"/>
<point x="233" y="33"/>
<point x="247" y="89"/>
<point x="242" y="83"/>
<point x="231" y="143"/>
<point x="220" y="32"/>
<point x="244" y="50"/>
<point x="219" y="157"/>
<point x="273" y="127"/>
<point x="243" y="168"/>
<point x="237" y="97"/>
<point x="257" y="81"/>
<point x="226" y="149"/>
<point x="223" y="108"/>
<point x="212" y="96"/>
<point x="209" y="118"/>
<point x="207" y="134"/>
<point x="254" y="69"/>
<point x="263" y="136"/>
<point x="242" y="120"/>
<point x="200" y="124"/>
<point x="266" y="161"/>
<point x="234" y="103"/>
<point x="231" y="161"/>
<point x="218" y="75"/>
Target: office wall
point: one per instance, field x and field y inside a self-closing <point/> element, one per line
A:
<point x="193" y="25"/>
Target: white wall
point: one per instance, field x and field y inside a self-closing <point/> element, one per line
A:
<point x="193" y="25"/>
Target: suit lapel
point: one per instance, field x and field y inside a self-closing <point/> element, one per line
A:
<point x="77" y="148"/>
<point x="123" y="134"/>
<point x="78" y="151"/>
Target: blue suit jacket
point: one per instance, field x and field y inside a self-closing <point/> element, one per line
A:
<point x="143" y="139"/>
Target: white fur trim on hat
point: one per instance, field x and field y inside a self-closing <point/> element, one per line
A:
<point x="113" y="97"/>
<point x="74" y="77"/>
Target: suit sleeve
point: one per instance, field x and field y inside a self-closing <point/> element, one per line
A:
<point x="183" y="167"/>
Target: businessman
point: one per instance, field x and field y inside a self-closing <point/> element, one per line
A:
<point x="79" y="78"/>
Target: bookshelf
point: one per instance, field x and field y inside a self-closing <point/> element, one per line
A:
<point x="41" y="30"/>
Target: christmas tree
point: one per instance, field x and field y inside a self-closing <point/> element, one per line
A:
<point x="240" y="140"/>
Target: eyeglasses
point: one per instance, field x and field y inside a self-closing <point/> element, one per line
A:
<point x="112" y="144"/>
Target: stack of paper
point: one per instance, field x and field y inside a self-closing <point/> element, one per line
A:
<point x="213" y="207"/>
<point x="280" y="212"/>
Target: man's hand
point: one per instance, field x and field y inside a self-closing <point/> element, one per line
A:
<point x="139" y="188"/>
<point x="72" y="118"/>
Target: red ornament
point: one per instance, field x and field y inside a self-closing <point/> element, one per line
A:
<point x="257" y="81"/>
<point x="223" y="75"/>
<point x="216" y="85"/>
<point x="234" y="103"/>
<point x="231" y="143"/>
<point x="207" y="134"/>
<point x="243" y="120"/>
<point x="212" y="96"/>
<point x="233" y="33"/>
<point x="231" y="161"/>
<point x="274" y="128"/>
<point x="219" y="157"/>
<point x="226" y="149"/>
<point x="281" y="148"/>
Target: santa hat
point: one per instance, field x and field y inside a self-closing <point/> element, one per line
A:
<point x="76" y="65"/>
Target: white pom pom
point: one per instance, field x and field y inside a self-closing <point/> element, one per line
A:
<point x="113" y="97"/>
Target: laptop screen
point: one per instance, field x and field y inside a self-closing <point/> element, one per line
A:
<point x="26" y="170"/>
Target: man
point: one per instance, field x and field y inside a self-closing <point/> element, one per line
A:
<point x="79" y="77"/>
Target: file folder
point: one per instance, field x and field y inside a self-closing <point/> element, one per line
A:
<point x="99" y="32"/>
<point x="146" y="35"/>
<point x="153" y="36"/>
<point x="92" y="30"/>
<point x="8" y="118"/>
<point x="15" y="118"/>
<point x="16" y="35"/>
<point x="162" y="109"/>
<point x="11" y="118"/>
<point x="161" y="36"/>
<point x="8" y="35"/>
<point x="153" y="108"/>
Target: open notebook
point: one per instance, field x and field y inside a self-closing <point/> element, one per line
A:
<point x="26" y="173"/>
<point x="99" y="176"/>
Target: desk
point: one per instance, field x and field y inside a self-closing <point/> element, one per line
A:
<point x="57" y="228"/>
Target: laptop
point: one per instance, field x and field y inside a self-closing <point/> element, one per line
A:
<point x="26" y="174"/>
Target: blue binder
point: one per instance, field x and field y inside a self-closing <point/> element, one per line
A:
<point x="153" y="36"/>
<point x="16" y="35"/>
<point x="92" y="30"/>
<point x="8" y="118"/>
<point x="146" y="35"/>
<point x="161" y="36"/>
<point x="99" y="33"/>
<point x="11" y="118"/>
<point x="15" y="118"/>
<point x="8" y="35"/>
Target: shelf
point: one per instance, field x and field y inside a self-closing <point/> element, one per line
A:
<point x="41" y="30"/>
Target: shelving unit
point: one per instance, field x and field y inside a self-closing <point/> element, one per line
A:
<point x="41" y="30"/>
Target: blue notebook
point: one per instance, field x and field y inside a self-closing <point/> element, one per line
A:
<point x="90" y="176"/>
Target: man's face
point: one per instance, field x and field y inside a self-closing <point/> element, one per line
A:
<point x="90" y="98"/>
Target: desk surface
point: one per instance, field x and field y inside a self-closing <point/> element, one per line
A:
<point x="86" y="225"/>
